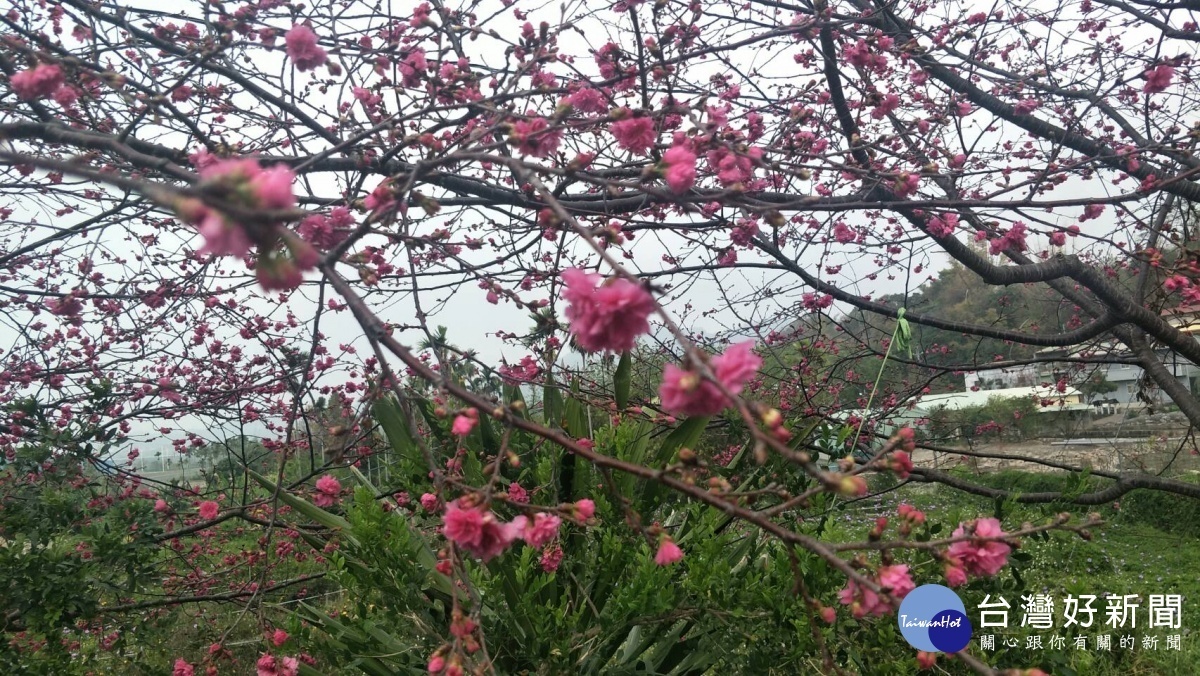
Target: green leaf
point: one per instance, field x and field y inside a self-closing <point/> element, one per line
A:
<point x="305" y="507"/>
<point x="576" y="418"/>
<point x="512" y="394"/>
<point x="686" y="435"/>
<point x="391" y="419"/>
<point x="552" y="405"/>
<point x="623" y="378"/>
<point x="425" y="555"/>
<point x="487" y="433"/>
<point x="520" y="620"/>
<point x="472" y="467"/>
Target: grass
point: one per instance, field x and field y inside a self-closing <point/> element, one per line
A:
<point x="1150" y="544"/>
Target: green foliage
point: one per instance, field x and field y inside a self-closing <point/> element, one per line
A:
<point x="64" y="554"/>
<point x="730" y="606"/>
<point x="1000" y="417"/>
<point x="1169" y="513"/>
<point x="1095" y="385"/>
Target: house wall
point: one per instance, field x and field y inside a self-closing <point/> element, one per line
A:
<point x="1126" y="377"/>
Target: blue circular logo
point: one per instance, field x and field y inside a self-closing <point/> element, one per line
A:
<point x="932" y="618"/>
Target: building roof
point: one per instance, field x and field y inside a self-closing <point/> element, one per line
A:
<point x="1071" y="399"/>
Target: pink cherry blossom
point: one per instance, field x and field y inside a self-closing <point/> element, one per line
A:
<point x="886" y="106"/>
<point x="413" y="67"/>
<point x="37" y="82"/>
<point x="896" y="578"/>
<point x="221" y="237"/>
<point x="65" y="96"/>
<point x="161" y="506"/>
<point x="862" y="601"/>
<point x="249" y="186"/>
<point x="1025" y="106"/>
<point x="731" y="167"/>
<point x="517" y="493"/>
<point x="381" y="197"/>
<point x="943" y="225"/>
<point x="273" y="187"/>
<point x="926" y="660"/>
<point x="429" y="502"/>
<point x="681" y="168"/>
<point x="209" y="510"/>
<point x="980" y="558"/>
<point x="585" y="509"/>
<point x="182" y="668"/>
<point x="67" y="306"/>
<point x="541" y="529"/>
<point x="269" y="665"/>
<point x="302" y="48"/>
<point x="1158" y="78"/>
<point x="525" y="371"/>
<point x="955" y="575"/>
<point x="588" y="100"/>
<point x="328" y="490"/>
<point x="635" y="134"/>
<point x="552" y="556"/>
<point x="278" y="274"/>
<point x="861" y="55"/>
<point x="605" y="314"/>
<point x="534" y="137"/>
<point x="463" y="425"/>
<point x="911" y="514"/>
<point x="901" y="463"/>
<point x="843" y="233"/>
<point x="479" y="531"/>
<point x="668" y="552"/>
<point x="686" y="393"/>
<point x="279" y="637"/>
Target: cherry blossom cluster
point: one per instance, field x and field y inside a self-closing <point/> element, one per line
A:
<point x="978" y="549"/>
<point x="611" y="314"/>
<point x="476" y="529"/>
<point x="245" y="185"/>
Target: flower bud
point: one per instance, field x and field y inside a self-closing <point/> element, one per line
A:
<point x="852" y="485"/>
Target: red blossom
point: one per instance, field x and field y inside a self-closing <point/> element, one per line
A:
<point x="668" y="552"/>
<point x="302" y="48"/>
<point x="980" y="558"/>
<point x="535" y="137"/>
<point x="635" y="134"/>
<point x="680" y="165"/>
<point x="270" y="665"/>
<point x="605" y="314"/>
<point x="209" y="510"/>
<point x="37" y="82"/>
<point x="1158" y="78"/>
<point x="685" y="392"/>
<point x="328" y="491"/>
<point x="479" y="531"/>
